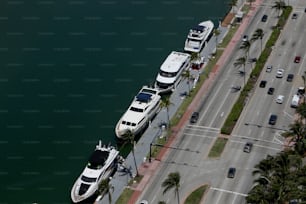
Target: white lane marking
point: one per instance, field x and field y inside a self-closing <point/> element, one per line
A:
<point x="211" y="101"/>
<point x="227" y="191"/>
<point x="204" y="127"/>
<point x="154" y="197"/>
<point x="278" y="140"/>
<point x="220" y="107"/>
<point x="290" y="116"/>
<point x="197" y="135"/>
<point x="219" y="197"/>
<point x="262" y="134"/>
<point x="234" y="199"/>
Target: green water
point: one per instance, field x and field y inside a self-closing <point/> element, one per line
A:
<point x="68" y="70"/>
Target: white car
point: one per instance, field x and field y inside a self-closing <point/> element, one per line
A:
<point x="280" y="99"/>
<point x="269" y="68"/>
<point x="280" y="73"/>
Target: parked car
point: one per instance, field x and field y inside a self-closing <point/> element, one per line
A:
<point x="290" y="77"/>
<point x="301" y="91"/>
<point x="194" y="117"/>
<point x="280" y="99"/>
<point x="269" y="68"/>
<point x="262" y="84"/>
<point x="271" y="91"/>
<point x="297" y="59"/>
<point x="272" y="119"/>
<point x="280" y="73"/>
<point x="264" y="18"/>
<point x="231" y="172"/>
<point x="248" y="147"/>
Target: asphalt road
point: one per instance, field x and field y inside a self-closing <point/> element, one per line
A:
<point x="189" y="155"/>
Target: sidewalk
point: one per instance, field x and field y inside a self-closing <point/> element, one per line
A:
<point x="148" y="169"/>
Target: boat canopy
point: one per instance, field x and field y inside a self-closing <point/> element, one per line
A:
<point x="97" y="159"/>
<point x="143" y="97"/>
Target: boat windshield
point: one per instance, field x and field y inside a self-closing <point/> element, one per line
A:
<point x="149" y="91"/>
<point x="167" y="74"/>
<point x="139" y="110"/>
<point x="88" y="180"/>
<point x="128" y="123"/>
<point x="97" y="159"/>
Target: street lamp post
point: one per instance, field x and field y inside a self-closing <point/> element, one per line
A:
<point x="150" y="153"/>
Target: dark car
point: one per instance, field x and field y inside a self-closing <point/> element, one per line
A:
<point x="294" y="16"/>
<point x="273" y="119"/>
<point x="264" y="18"/>
<point x="290" y="77"/>
<point x="194" y="117"/>
<point x="248" y="147"/>
<point x="253" y="60"/>
<point x="263" y="84"/>
<point x="301" y="91"/>
<point x="271" y="91"/>
<point x="231" y="172"/>
<point x="297" y="59"/>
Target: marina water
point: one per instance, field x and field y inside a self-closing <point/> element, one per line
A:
<point x="68" y="71"/>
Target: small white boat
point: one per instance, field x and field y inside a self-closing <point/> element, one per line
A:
<point x="171" y="70"/>
<point x="101" y="165"/>
<point x="198" y="36"/>
<point x="142" y="109"/>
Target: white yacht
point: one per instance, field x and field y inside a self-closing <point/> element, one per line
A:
<point x="171" y="70"/>
<point x="142" y="109"/>
<point x="100" y="166"/>
<point x="198" y="36"/>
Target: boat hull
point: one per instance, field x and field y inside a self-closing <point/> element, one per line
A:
<point x="101" y="165"/>
<point x="140" y="128"/>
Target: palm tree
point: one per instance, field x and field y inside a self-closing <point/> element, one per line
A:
<point x="279" y="6"/>
<point x="241" y="62"/>
<point x="301" y="110"/>
<point x="194" y="56"/>
<point x="246" y="45"/>
<point x="166" y="103"/>
<point x="186" y="75"/>
<point x="297" y="131"/>
<point x="106" y="188"/>
<point x="173" y="181"/>
<point x="258" y="35"/>
<point x="129" y="137"/>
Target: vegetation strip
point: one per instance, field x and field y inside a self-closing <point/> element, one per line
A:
<point x="196" y="196"/>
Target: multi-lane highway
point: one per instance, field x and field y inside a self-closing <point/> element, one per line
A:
<point x="192" y="146"/>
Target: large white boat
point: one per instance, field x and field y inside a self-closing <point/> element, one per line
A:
<point x="101" y="165"/>
<point x="198" y="36"/>
<point x="170" y="72"/>
<point x="142" y="109"/>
